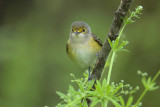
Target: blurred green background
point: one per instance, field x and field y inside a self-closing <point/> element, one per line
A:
<point x="33" y="35"/>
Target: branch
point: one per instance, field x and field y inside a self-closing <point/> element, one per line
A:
<point x="112" y="35"/>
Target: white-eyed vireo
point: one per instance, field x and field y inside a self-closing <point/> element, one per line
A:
<point x="83" y="46"/>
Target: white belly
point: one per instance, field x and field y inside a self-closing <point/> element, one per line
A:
<point x="85" y="55"/>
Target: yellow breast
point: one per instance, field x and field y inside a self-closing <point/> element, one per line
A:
<point x="83" y="54"/>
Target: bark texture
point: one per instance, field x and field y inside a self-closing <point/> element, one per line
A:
<point x="112" y="35"/>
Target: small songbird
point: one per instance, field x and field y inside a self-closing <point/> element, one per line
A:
<point x="83" y="46"/>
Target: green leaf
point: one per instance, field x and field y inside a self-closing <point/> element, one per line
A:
<point x="154" y="88"/>
<point x="63" y="96"/>
<point x="108" y="90"/>
<point x="115" y="103"/>
<point x="129" y="20"/>
<point x="99" y="88"/>
<point x="71" y="89"/>
<point x="81" y="86"/>
<point x="116" y="43"/>
<point x="125" y="21"/>
<point x="90" y="85"/>
<point x="63" y="105"/>
<point x="85" y="103"/>
<point x="95" y="101"/>
<point x="144" y="82"/>
<point x="125" y="50"/>
<point x="122" y="44"/>
<point x="148" y="81"/>
<point x="72" y="92"/>
<point x="116" y="90"/>
<point x="110" y="43"/>
<point x="122" y="101"/>
<point x="129" y="102"/>
<point x="136" y="16"/>
<point x="104" y="86"/>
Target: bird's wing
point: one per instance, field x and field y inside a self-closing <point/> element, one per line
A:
<point x="97" y="39"/>
<point x="67" y="48"/>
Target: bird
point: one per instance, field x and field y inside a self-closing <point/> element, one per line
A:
<point x="83" y="45"/>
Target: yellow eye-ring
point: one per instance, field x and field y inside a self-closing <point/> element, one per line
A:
<point x="84" y="30"/>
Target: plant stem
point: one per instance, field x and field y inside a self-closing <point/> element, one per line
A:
<point x="120" y="33"/>
<point x="142" y="95"/>
<point x="146" y="89"/>
<point x="104" y="104"/>
<point x="110" y="67"/>
<point x="155" y="77"/>
<point x="113" y="56"/>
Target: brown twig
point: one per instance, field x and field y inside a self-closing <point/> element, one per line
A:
<point x="112" y="35"/>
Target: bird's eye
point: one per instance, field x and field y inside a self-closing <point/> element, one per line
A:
<point x="72" y="30"/>
<point x="84" y="30"/>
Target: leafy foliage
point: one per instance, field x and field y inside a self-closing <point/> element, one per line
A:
<point x="105" y="92"/>
<point x="115" y="47"/>
<point x="133" y="14"/>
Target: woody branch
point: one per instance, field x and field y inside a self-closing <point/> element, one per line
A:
<point x="112" y="35"/>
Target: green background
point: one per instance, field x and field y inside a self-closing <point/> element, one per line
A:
<point x="33" y="60"/>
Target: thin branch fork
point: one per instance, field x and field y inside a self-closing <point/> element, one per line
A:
<point x="112" y="35"/>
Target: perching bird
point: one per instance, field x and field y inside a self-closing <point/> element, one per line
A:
<point x="83" y="46"/>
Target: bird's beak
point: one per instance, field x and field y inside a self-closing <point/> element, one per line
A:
<point x="76" y="32"/>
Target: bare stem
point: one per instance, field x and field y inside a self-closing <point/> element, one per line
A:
<point x="110" y="67"/>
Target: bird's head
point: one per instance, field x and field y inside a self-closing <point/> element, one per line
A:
<point x="80" y="30"/>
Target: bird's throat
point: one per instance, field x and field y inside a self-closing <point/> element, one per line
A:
<point x="80" y="38"/>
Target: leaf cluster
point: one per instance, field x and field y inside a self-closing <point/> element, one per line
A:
<point x="115" y="47"/>
<point x="133" y="14"/>
<point x="105" y="92"/>
<point x="148" y="83"/>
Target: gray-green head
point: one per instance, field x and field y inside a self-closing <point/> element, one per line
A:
<point x="80" y="27"/>
<point x="80" y="30"/>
